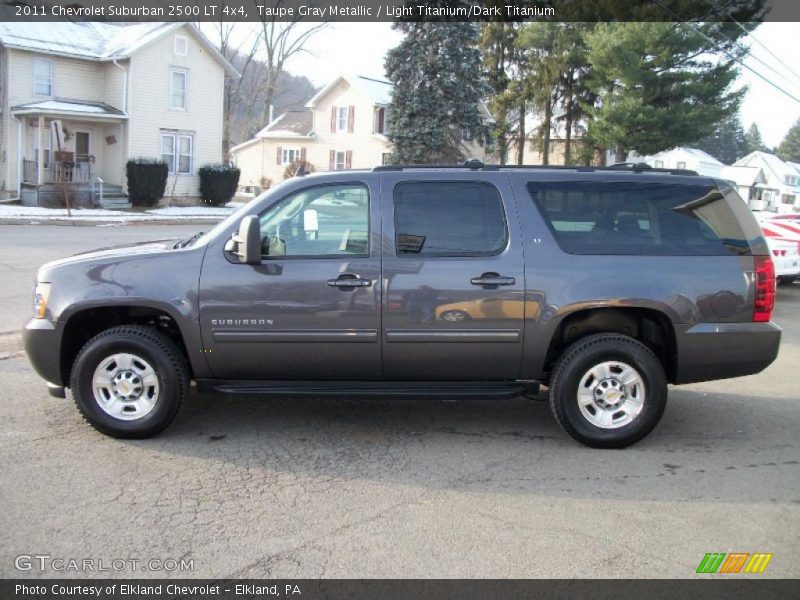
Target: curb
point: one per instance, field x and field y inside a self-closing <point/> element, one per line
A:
<point x="97" y="222"/>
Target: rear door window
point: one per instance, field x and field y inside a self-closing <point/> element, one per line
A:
<point x="449" y="218"/>
<point x="631" y="218"/>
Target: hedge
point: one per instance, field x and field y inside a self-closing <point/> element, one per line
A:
<point x="147" y="180"/>
<point x="218" y="183"/>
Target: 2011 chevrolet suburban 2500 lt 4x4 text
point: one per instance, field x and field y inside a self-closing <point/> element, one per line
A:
<point x="603" y="284"/>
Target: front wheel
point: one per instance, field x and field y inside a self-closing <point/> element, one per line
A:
<point x="608" y="391"/>
<point x="129" y="381"/>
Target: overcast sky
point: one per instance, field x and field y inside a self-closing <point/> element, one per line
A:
<point x="359" y="48"/>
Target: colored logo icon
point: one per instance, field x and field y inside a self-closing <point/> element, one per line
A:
<point x="734" y="562"/>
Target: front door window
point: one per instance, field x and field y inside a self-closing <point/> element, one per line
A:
<point x="323" y="221"/>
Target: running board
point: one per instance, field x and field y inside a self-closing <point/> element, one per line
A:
<point x="295" y="389"/>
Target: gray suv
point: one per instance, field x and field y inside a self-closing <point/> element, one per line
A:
<point x="603" y="284"/>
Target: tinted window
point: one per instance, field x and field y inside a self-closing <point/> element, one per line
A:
<point x="329" y="220"/>
<point x="639" y="218"/>
<point x="457" y="218"/>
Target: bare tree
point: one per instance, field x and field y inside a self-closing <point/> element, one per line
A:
<point x="241" y="56"/>
<point x="260" y="58"/>
<point x="281" y="41"/>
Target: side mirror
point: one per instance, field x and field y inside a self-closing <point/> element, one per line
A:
<point x="247" y="242"/>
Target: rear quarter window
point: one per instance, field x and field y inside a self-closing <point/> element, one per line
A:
<point x="632" y="218"/>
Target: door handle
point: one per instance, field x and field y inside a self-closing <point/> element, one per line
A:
<point x="349" y="282"/>
<point x="492" y="279"/>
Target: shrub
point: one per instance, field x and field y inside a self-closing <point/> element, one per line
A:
<point x="218" y="183"/>
<point x="147" y="180"/>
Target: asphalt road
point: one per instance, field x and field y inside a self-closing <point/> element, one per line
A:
<point x="24" y="248"/>
<point x="389" y="488"/>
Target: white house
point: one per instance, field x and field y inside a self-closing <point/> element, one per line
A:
<point x="342" y="127"/>
<point x="750" y="183"/>
<point x="684" y="158"/>
<point x="780" y="192"/>
<point x="113" y="92"/>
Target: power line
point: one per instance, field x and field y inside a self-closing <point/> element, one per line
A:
<point x="772" y="54"/>
<point x="741" y="62"/>
<point x="728" y="54"/>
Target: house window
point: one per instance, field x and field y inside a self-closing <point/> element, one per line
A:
<point x="340" y="160"/>
<point x="181" y="45"/>
<point x="341" y="118"/>
<point x="681" y="164"/>
<point x="386" y="158"/>
<point x="178" y="89"/>
<point x="43" y="77"/>
<point x="289" y="155"/>
<point x="787" y="199"/>
<point x="381" y="120"/>
<point x="177" y="150"/>
<point x="791" y="180"/>
<point x="659" y="164"/>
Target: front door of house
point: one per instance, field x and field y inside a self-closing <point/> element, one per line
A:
<point x="82" y="148"/>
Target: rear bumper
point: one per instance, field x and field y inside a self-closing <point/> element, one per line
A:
<point x="708" y="351"/>
<point x="43" y="346"/>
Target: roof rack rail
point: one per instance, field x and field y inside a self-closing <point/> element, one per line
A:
<point x="473" y="165"/>
<point x="476" y="165"/>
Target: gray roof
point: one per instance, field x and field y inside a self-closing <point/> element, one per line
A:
<point x="293" y="123"/>
<point x="68" y="106"/>
<point x="93" y="41"/>
<point x="377" y="91"/>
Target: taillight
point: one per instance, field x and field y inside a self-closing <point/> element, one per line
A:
<point x="765" y="289"/>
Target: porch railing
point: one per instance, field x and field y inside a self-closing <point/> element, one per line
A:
<point x="56" y="172"/>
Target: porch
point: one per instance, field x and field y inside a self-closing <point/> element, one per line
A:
<point x="72" y="147"/>
<point x="56" y="172"/>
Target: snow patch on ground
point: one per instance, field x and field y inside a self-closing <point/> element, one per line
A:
<point x="170" y="213"/>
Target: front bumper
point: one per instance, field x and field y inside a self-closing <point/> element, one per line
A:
<point x="708" y="351"/>
<point x="42" y="339"/>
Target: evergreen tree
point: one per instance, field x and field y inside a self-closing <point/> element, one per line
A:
<point x="438" y="79"/>
<point x="500" y="55"/>
<point x="557" y="76"/>
<point x="753" y="141"/>
<point x="727" y="144"/>
<point x="790" y="146"/>
<point x="661" y="85"/>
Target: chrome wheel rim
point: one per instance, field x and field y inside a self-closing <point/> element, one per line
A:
<point x="611" y="394"/>
<point x="454" y="316"/>
<point x="125" y="386"/>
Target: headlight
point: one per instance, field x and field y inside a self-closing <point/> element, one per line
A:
<point x="40" y="298"/>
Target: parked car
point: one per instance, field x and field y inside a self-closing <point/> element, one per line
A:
<point x="783" y="239"/>
<point x="511" y="305"/>
<point x="609" y="284"/>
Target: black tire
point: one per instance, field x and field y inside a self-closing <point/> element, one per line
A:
<point x="151" y="345"/>
<point x="593" y="350"/>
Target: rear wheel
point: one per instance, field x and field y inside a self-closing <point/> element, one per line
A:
<point x="608" y="391"/>
<point x="129" y="381"/>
